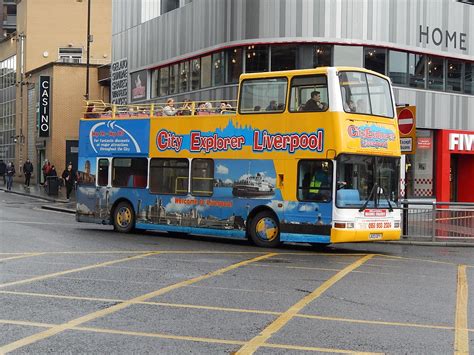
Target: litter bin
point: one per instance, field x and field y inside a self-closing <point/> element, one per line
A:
<point x="52" y="185"/>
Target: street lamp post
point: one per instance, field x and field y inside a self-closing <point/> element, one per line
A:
<point x="89" y="40"/>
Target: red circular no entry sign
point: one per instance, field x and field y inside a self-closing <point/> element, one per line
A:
<point x="405" y="121"/>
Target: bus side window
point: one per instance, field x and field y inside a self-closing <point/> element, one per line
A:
<point x="309" y="93"/>
<point x="202" y="177"/>
<point x="169" y="176"/>
<point x="129" y="172"/>
<point x="103" y="172"/>
<point x="315" y="180"/>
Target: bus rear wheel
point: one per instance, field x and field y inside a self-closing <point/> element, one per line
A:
<point x="264" y="230"/>
<point x="124" y="217"/>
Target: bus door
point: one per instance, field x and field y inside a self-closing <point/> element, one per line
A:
<point x="102" y="190"/>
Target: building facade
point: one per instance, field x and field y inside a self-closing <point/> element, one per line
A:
<point x="198" y="48"/>
<point x="49" y="46"/>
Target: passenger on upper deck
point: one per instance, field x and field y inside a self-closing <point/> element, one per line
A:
<point x="169" y="109"/>
<point x="314" y="103"/>
<point x="272" y="106"/>
<point x="186" y="109"/>
<point x="90" y="111"/>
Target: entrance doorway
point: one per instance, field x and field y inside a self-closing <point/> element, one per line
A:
<point x="40" y="163"/>
<point x="465" y="173"/>
<point x="453" y="178"/>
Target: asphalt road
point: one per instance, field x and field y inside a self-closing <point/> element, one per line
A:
<point x="67" y="287"/>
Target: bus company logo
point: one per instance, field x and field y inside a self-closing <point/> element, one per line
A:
<point x="110" y="137"/>
<point x="263" y="141"/>
<point x="371" y="136"/>
<point x="166" y="140"/>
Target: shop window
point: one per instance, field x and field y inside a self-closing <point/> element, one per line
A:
<point x="283" y="57"/>
<point x="218" y="69"/>
<point x="454" y="72"/>
<point x="419" y="177"/>
<point x="155" y="84"/>
<point x="374" y="59"/>
<point x="267" y="95"/>
<point x="301" y="89"/>
<point x="256" y="59"/>
<point x="206" y="63"/>
<point x="195" y="74"/>
<point x="183" y="76"/>
<point x="468" y="78"/>
<point x="397" y="67"/>
<point x="416" y="70"/>
<point x="164" y="81"/>
<point x="129" y="172"/>
<point x="174" y="78"/>
<point x="202" y="177"/>
<point x="234" y="65"/>
<point x="435" y="73"/>
<point x="169" y="176"/>
<point x="322" y="56"/>
<point x="315" y="180"/>
<point x="103" y="172"/>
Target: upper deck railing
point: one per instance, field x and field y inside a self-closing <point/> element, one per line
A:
<point x="95" y="109"/>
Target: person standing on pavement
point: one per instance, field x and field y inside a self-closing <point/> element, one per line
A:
<point x="46" y="169"/>
<point x="69" y="177"/>
<point x="27" y="170"/>
<point x="3" y="170"/>
<point x="10" y="173"/>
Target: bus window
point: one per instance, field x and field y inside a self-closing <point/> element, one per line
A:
<point x="169" y="176"/>
<point x="103" y="172"/>
<point x="267" y="95"/>
<point x="366" y="94"/>
<point x="309" y="93"/>
<point x="202" y="177"/>
<point x="315" y="180"/>
<point x="129" y="172"/>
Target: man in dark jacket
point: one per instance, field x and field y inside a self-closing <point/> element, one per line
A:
<point x="3" y="170"/>
<point x="10" y="175"/>
<point x="69" y="177"/>
<point x="314" y="103"/>
<point x="27" y="170"/>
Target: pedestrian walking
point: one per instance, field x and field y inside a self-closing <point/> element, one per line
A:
<point x="10" y="174"/>
<point x="27" y="170"/>
<point x="69" y="177"/>
<point x="3" y="170"/>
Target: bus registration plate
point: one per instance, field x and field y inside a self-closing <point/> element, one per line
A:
<point x="374" y="236"/>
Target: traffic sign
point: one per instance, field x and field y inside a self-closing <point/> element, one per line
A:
<point x="406" y="121"/>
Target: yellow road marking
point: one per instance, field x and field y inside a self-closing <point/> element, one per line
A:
<point x="41" y="223"/>
<point x="106" y="311"/>
<point x="60" y="273"/>
<point x="418" y="259"/>
<point x="181" y="337"/>
<point x="251" y="346"/>
<point x="21" y="256"/>
<point x="461" y="335"/>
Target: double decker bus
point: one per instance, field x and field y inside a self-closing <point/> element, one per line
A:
<point x="308" y="156"/>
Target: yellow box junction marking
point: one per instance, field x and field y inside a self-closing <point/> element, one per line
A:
<point x="258" y="341"/>
<point x="106" y="311"/>
<point x="21" y="256"/>
<point x="461" y="335"/>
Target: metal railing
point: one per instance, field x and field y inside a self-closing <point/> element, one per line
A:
<point x="438" y="221"/>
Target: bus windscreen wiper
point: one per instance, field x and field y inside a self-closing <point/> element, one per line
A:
<point x="388" y="199"/>
<point x="364" y="206"/>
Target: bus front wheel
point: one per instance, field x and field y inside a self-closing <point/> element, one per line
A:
<point x="124" y="217"/>
<point x="265" y="230"/>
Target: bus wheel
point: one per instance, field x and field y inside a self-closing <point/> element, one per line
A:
<point x="124" y="217"/>
<point x="265" y="230"/>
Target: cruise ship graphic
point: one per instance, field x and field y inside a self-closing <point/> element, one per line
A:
<point x="252" y="186"/>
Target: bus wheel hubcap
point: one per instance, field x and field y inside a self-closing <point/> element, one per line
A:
<point x="267" y="229"/>
<point x="124" y="217"/>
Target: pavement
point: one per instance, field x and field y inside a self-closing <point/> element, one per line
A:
<point x="61" y="204"/>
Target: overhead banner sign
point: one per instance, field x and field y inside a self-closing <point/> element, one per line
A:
<point x="407" y="128"/>
<point x="44" y="106"/>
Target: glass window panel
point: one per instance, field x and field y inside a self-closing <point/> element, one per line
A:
<point x="263" y="95"/>
<point x="218" y="69"/>
<point x="169" y="5"/>
<point x="169" y="176"/>
<point x="315" y="180"/>
<point x="374" y="59"/>
<point x="174" y="78"/>
<point x="155" y="84"/>
<point x="183" y="76"/>
<point x="416" y="70"/>
<point x="202" y="177"/>
<point x="380" y="96"/>
<point x="283" y="57"/>
<point x="256" y="59"/>
<point x="234" y="65"/>
<point x="322" y="56"/>
<point x="420" y="166"/>
<point x="435" y="73"/>
<point x="206" y="71"/>
<point x="454" y="70"/>
<point x="397" y="67"/>
<point x="195" y="74"/>
<point x="468" y="79"/>
<point x="302" y="87"/>
<point x="103" y="172"/>
<point x="129" y="172"/>
<point x="164" y="81"/>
